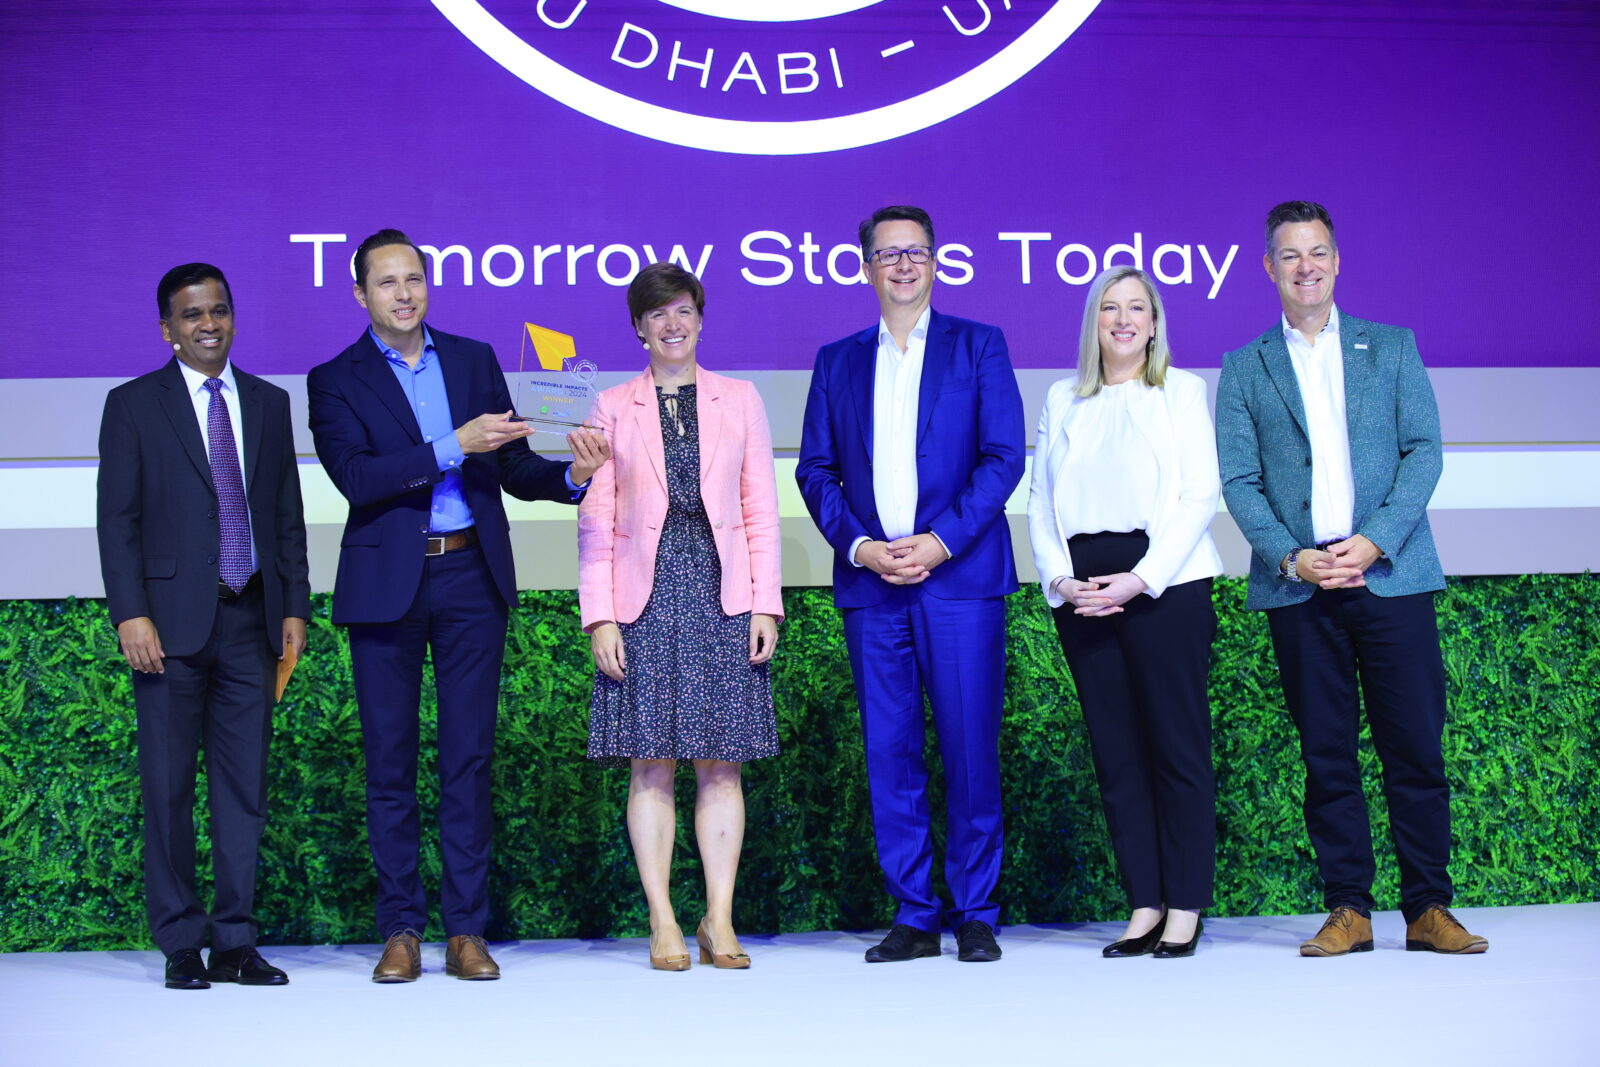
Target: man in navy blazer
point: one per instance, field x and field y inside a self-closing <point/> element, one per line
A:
<point x="913" y="440"/>
<point x="413" y="427"/>
<point x="1328" y="441"/>
<point x="203" y="549"/>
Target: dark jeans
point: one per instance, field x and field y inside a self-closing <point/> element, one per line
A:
<point x="1333" y="650"/>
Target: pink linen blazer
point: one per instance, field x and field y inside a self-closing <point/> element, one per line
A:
<point x="620" y="518"/>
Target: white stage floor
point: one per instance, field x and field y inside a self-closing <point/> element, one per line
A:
<point x="1245" y="998"/>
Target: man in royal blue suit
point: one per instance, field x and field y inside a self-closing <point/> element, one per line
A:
<point x="913" y="440"/>
<point x="1328" y="440"/>
<point x="412" y="426"/>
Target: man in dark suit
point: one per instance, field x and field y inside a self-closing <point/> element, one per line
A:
<point x="1328" y="440"/>
<point x="203" y="549"/>
<point x="412" y="425"/>
<point x="913" y="440"/>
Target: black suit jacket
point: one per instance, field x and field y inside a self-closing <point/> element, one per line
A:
<point x="370" y="443"/>
<point x="157" y="508"/>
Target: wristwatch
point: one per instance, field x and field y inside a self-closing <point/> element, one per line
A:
<point x="1286" y="569"/>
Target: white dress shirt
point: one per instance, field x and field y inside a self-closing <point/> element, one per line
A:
<point x="1319" y="370"/>
<point x="1110" y="481"/>
<point x="896" y="381"/>
<point x="201" y="398"/>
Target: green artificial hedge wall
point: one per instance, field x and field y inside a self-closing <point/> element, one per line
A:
<point x="1520" y="654"/>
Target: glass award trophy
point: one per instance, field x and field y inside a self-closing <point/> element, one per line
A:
<point x="554" y="395"/>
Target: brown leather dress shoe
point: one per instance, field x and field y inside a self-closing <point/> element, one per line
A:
<point x="467" y="957"/>
<point x="402" y="958"/>
<point x="1344" y="931"/>
<point x="1436" y="930"/>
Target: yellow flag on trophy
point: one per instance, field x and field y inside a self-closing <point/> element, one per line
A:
<point x="552" y="348"/>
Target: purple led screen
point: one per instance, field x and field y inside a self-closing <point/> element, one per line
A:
<point x="549" y="147"/>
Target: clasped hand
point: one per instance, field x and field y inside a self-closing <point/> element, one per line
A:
<point x="1102" y="595"/>
<point x="1342" y="566"/>
<point x="905" y="561"/>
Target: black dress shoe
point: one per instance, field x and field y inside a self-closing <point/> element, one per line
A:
<point x="245" y="966"/>
<point x="1129" y="947"/>
<point x="1174" y="950"/>
<point x="904" y="943"/>
<point x="975" y="942"/>
<point x="186" y="971"/>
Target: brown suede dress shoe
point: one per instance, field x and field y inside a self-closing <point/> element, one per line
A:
<point x="1344" y="931"/>
<point x="1436" y="930"/>
<point x="467" y="957"/>
<point x="402" y="958"/>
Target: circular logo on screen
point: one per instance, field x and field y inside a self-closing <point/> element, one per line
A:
<point x="768" y="77"/>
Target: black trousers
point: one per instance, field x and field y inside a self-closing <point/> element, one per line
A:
<point x="1333" y="650"/>
<point x="459" y="616"/>
<point x="1141" y="680"/>
<point x="222" y="697"/>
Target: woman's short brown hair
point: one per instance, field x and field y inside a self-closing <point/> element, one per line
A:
<point x="660" y="284"/>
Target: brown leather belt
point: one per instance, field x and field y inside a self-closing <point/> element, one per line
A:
<point x="450" y="542"/>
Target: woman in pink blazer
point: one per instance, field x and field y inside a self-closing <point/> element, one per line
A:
<point x="678" y="583"/>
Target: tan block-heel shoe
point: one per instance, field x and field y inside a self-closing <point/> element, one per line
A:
<point x="678" y="961"/>
<point x="736" y="961"/>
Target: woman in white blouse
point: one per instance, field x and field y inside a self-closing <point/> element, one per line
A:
<point x="1124" y="488"/>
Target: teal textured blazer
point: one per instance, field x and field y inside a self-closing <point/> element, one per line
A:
<point x="1264" y="455"/>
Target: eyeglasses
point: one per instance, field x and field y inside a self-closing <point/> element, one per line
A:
<point x="888" y="257"/>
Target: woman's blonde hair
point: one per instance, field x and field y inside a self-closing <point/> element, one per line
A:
<point x="1157" y="355"/>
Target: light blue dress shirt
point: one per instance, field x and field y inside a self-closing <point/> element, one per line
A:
<point x="424" y="389"/>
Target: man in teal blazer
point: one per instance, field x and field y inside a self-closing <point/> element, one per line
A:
<point x="1328" y="441"/>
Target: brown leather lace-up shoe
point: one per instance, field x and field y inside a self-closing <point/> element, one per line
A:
<point x="1344" y="931"/>
<point x="1436" y="930"/>
<point x="402" y="958"/>
<point x="467" y="957"/>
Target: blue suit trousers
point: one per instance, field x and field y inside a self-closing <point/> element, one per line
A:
<point x="954" y="650"/>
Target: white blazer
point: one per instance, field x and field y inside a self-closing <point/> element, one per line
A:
<point x="1176" y="422"/>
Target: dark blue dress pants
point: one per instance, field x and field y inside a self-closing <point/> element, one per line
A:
<point x="459" y="616"/>
<point x="220" y="697"/>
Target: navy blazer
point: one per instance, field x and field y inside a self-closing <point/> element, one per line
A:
<point x="370" y="443"/>
<point x="156" y="506"/>
<point x="1395" y="454"/>
<point x="970" y="449"/>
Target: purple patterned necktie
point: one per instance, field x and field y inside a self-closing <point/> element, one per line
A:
<point x="232" y="515"/>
